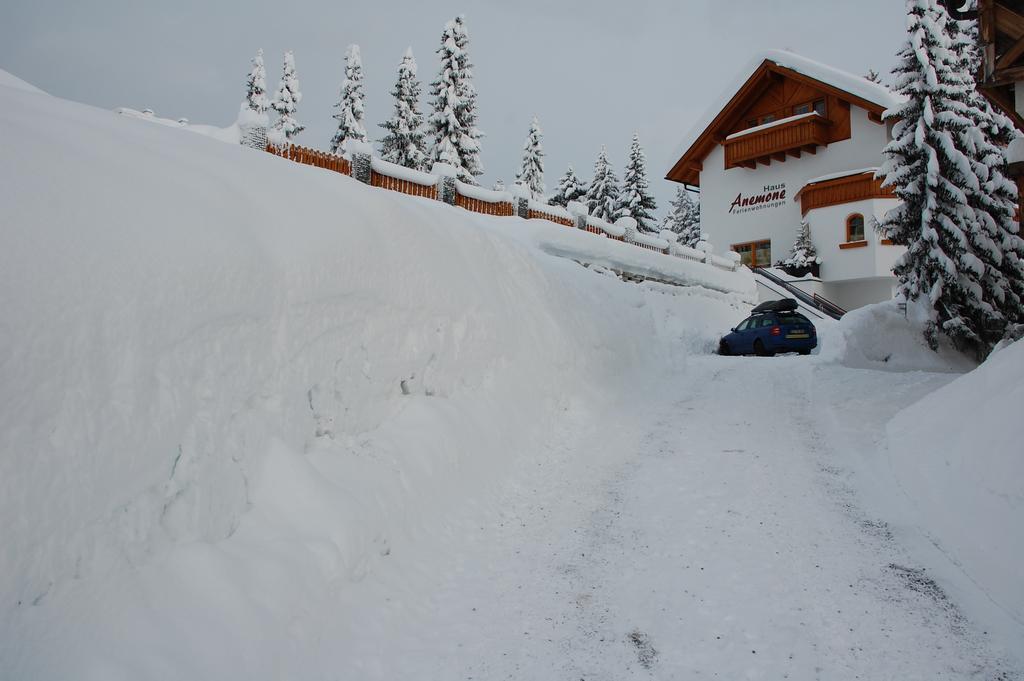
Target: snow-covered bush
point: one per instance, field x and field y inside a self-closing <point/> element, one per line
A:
<point x="803" y="255"/>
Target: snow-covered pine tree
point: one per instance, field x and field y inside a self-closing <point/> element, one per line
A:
<point x="603" y="194"/>
<point x="531" y="173"/>
<point x="636" y="200"/>
<point x="570" y="188"/>
<point x="286" y="100"/>
<point x="452" y="125"/>
<point x="803" y="253"/>
<point x="684" y="218"/>
<point x="405" y="142"/>
<point x="499" y="186"/>
<point x="350" y="103"/>
<point x="256" y="85"/>
<point x="964" y="258"/>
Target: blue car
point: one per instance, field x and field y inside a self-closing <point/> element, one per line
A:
<point x="774" y="326"/>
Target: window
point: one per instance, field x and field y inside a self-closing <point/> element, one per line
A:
<point x="755" y="253"/>
<point x="767" y="321"/>
<point x="752" y="123"/>
<point x="770" y="118"/>
<point x="855" y="228"/>
<point x="745" y="324"/>
<point x="817" y="106"/>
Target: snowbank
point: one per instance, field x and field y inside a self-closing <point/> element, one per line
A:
<point x="230" y="134"/>
<point x="13" y="82"/>
<point x="881" y="337"/>
<point x="957" y="459"/>
<point x="232" y="385"/>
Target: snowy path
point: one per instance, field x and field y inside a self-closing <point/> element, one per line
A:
<point x="715" y="536"/>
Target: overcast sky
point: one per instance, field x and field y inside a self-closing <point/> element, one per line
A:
<point x="593" y="71"/>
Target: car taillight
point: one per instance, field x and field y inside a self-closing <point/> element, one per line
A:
<point x="776" y="331"/>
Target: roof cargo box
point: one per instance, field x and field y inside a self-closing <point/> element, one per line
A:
<point x="784" y="305"/>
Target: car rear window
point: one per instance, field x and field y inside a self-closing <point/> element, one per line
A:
<point x="793" y="318"/>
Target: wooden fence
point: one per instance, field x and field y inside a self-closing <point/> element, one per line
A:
<point x="404" y="186"/>
<point x="311" y="157"/>
<point x="340" y="164"/>
<point x="502" y="208"/>
<point x="535" y="214"/>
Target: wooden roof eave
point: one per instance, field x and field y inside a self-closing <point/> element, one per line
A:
<point x="754" y="86"/>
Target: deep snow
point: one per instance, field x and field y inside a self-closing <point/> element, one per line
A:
<point x="259" y="421"/>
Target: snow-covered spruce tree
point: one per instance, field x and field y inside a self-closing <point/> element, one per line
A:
<point x="531" y="173"/>
<point x="452" y="124"/>
<point x="603" y="194"/>
<point x="405" y="142"/>
<point x="803" y="254"/>
<point x="256" y="86"/>
<point x="684" y="218"/>
<point x="964" y="256"/>
<point x="636" y="200"/>
<point x="350" y="103"/>
<point x="286" y="100"/>
<point x="570" y="188"/>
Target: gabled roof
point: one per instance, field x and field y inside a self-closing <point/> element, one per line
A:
<point x="701" y="139"/>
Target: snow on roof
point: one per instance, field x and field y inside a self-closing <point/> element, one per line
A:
<point x="843" y="173"/>
<point x="765" y="126"/>
<point x="843" y="80"/>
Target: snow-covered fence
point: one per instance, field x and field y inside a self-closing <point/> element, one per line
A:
<point x="486" y="201"/>
<point x="311" y="157"/>
<point x="401" y="179"/>
<point x="557" y="214"/>
<point x="441" y="184"/>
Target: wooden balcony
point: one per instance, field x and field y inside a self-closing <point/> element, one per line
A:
<point x="788" y="137"/>
<point x="839" y="190"/>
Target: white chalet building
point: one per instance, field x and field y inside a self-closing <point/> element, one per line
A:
<point x="797" y="140"/>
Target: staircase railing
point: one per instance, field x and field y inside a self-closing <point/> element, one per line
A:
<point x="820" y="303"/>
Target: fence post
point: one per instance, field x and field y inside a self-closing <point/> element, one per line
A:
<point x="579" y="212"/>
<point x="521" y="200"/>
<point x="629" y="225"/>
<point x="359" y="154"/>
<point x="706" y="248"/>
<point x="446" y="174"/>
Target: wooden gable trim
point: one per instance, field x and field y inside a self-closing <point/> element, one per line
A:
<point x="685" y="171"/>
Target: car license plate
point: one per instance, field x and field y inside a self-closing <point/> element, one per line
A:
<point x="796" y="335"/>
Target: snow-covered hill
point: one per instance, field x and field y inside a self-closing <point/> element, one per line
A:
<point x="231" y="386"/>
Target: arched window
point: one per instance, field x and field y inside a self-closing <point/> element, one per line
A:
<point x="855" y="228"/>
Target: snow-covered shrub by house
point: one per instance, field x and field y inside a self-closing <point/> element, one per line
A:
<point x="531" y="173"/>
<point x="603" y="193"/>
<point x="684" y="219"/>
<point x="350" y="103"/>
<point x="803" y="253"/>
<point x="635" y="200"/>
<point x="452" y="125"/>
<point x="286" y="100"/>
<point x="405" y="141"/>
<point x="570" y="188"/>
<point x="956" y="217"/>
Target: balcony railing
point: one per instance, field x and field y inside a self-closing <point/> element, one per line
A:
<point x="789" y="136"/>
